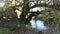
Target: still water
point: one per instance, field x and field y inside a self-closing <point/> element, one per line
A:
<point x="38" y="24"/>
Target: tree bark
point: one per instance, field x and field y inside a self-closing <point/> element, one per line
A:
<point x="25" y="10"/>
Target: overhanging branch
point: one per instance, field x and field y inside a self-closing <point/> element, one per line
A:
<point x="54" y="6"/>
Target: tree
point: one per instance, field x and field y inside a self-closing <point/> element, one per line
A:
<point x="27" y="5"/>
<point x="51" y="8"/>
<point x="53" y="4"/>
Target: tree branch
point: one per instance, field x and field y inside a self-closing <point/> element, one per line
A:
<point x="54" y="6"/>
<point x="31" y="15"/>
<point x="25" y="10"/>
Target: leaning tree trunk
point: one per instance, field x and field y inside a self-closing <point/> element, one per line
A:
<point x="25" y="10"/>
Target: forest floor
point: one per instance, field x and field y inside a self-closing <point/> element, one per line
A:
<point x="28" y="31"/>
<point x="51" y="30"/>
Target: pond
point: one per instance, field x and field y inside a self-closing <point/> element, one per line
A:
<point x="38" y="24"/>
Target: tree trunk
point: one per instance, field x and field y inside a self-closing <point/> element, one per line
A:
<point x="25" y="10"/>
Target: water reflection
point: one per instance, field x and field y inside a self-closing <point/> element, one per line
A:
<point x="38" y="24"/>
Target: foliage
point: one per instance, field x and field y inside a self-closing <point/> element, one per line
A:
<point x="4" y="30"/>
<point x="51" y="13"/>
